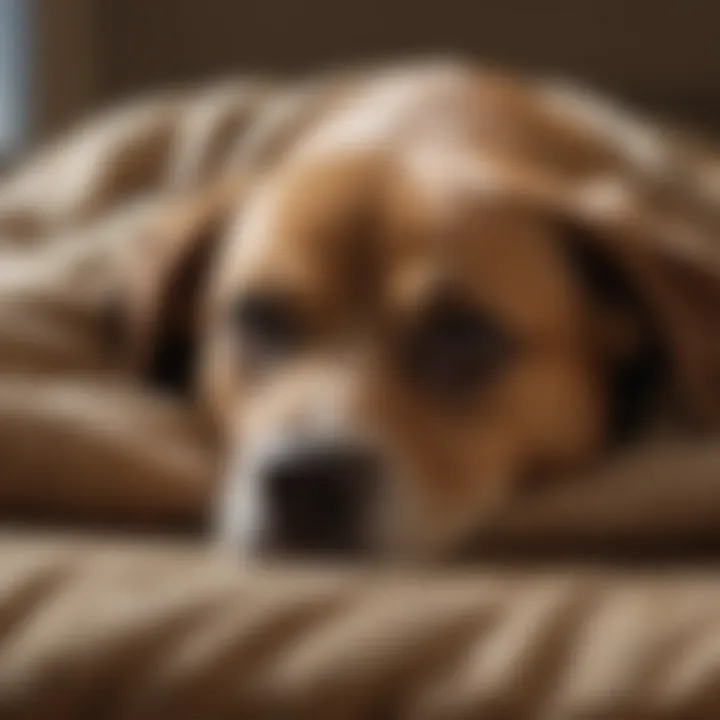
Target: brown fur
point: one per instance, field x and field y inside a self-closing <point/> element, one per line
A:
<point x="469" y="186"/>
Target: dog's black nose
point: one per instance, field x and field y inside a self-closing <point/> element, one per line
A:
<point x="318" y="497"/>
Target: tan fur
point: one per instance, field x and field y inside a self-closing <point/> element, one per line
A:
<point x="452" y="175"/>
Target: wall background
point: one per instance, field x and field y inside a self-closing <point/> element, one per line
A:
<point x="661" y="54"/>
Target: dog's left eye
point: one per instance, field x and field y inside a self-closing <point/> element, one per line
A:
<point x="455" y="348"/>
<point x="267" y="326"/>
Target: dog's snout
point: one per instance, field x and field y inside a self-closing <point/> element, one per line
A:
<point x="318" y="496"/>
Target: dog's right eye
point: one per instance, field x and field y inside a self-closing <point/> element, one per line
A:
<point x="266" y="326"/>
<point x="455" y="348"/>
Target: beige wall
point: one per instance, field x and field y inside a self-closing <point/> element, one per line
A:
<point x="661" y="53"/>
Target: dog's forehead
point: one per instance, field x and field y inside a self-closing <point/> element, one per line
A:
<point x="398" y="113"/>
<point x="445" y="222"/>
<point x="309" y="210"/>
<point x="443" y="197"/>
<point x="303" y="211"/>
<point x="323" y="200"/>
<point x="430" y="203"/>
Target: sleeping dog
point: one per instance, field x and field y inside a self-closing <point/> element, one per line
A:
<point x="433" y="287"/>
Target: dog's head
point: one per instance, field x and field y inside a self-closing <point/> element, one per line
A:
<point x="416" y="315"/>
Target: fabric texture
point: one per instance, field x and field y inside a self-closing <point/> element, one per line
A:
<point x="138" y="631"/>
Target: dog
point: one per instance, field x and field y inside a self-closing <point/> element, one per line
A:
<point x="432" y="288"/>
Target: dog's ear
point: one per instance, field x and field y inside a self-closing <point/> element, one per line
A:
<point x="659" y="233"/>
<point x="167" y="275"/>
<point x="666" y="248"/>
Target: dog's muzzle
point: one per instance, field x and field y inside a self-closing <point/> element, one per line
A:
<point x="318" y="497"/>
<point x="307" y="498"/>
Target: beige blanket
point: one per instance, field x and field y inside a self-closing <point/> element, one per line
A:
<point x="140" y="631"/>
<point x="98" y="629"/>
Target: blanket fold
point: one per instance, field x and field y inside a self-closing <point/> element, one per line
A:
<point x="90" y="629"/>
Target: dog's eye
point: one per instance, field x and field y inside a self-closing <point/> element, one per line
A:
<point x="455" y="348"/>
<point x="266" y="326"/>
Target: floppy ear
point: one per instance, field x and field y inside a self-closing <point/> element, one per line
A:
<point x="661" y="234"/>
<point x="667" y="246"/>
<point x="167" y="275"/>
